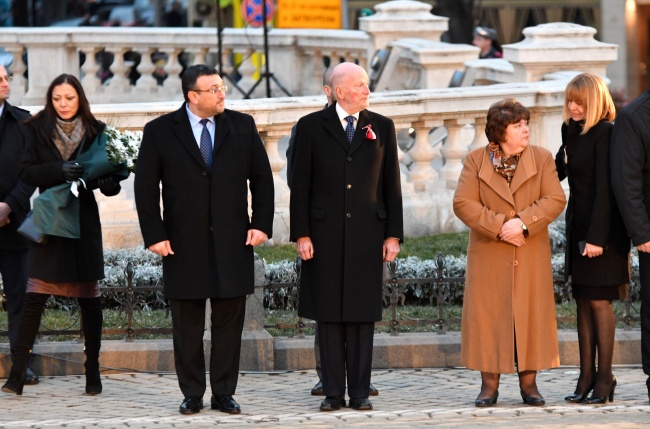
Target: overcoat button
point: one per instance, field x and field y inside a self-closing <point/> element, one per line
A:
<point x="349" y="158"/>
<point x="512" y="213"/>
<point x="515" y="263"/>
<point x="534" y="218"/>
<point x="348" y="215"/>
<point x="349" y="186"/>
<point x="205" y="173"/>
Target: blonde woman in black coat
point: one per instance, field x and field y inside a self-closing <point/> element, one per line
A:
<point x="63" y="266"/>
<point x="597" y="247"/>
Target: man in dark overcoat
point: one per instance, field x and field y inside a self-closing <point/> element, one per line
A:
<point x="207" y="158"/>
<point x="630" y="166"/>
<point x="14" y="206"/>
<point x="346" y="217"/>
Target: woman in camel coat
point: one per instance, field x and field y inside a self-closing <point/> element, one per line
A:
<point x="507" y="194"/>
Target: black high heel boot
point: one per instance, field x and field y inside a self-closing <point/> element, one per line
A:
<point x="603" y="400"/>
<point x="92" y="319"/>
<point x="16" y="381"/>
<point x="30" y="321"/>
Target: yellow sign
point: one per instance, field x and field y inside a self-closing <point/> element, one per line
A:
<point x="309" y="14"/>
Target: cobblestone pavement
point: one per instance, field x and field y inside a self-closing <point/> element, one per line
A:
<point x="412" y="398"/>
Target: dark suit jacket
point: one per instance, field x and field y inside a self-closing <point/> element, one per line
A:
<point x="592" y="214"/>
<point x="205" y="213"/>
<point x="12" y="191"/>
<point x="630" y="161"/>
<point x="348" y="199"/>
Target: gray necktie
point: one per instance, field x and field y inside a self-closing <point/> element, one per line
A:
<point x="206" y="144"/>
<point x="349" y="130"/>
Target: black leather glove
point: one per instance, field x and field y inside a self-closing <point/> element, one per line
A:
<point x="108" y="186"/>
<point x="72" y="171"/>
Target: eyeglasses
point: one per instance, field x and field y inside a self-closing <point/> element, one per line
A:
<point x="222" y="89"/>
<point x="6" y="79"/>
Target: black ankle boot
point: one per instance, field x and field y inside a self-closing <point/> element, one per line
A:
<point x="92" y="319"/>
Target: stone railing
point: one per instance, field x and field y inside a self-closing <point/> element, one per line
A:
<point x="436" y="129"/>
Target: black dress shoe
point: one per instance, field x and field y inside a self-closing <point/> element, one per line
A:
<point x="487" y="402"/>
<point x="373" y="390"/>
<point x="225" y="404"/>
<point x="317" y="390"/>
<point x="532" y="400"/>
<point x="191" y="405"/>
<point x="30" y="377"/>
<point x="362" y="404"/>
<point x="332" y="403"/>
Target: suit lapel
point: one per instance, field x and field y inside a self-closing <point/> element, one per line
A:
<point x="334" y="127"/>
<point x="183" y="131"/>
<point x="494" y="180"/>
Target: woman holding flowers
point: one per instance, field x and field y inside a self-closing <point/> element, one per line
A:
<point x="63" y="133"/>
<point x="597" y="245"/>
<point x="507" y="194"/>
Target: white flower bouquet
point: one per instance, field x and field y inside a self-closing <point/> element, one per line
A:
<point x="123" y="147"/>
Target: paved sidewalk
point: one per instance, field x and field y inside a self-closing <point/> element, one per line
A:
<point x="439" y="397"/>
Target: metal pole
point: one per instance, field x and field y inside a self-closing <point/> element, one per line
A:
<point x="267" y="74"/>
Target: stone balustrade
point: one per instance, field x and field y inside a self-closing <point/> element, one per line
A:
<point x="430" y="172"/>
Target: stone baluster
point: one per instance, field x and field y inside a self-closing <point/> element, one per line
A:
<point x="454" y="151"/>
<point x="173" y="70"/>
<point x="119" y="83"/>
<point x="271" y="138"/>
<point x="422" y="174"/>
<point x="480" y="139"/>
<point x="91" y="83"/>
<point x="146" y="83"/>
<point x="19" y="83"/>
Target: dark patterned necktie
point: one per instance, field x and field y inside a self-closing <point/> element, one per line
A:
<point x="349" y="130"/>
<point x="206" y="144"/>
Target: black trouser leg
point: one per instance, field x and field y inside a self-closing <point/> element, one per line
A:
<point x="317" y="356"/>
<point x="644" y="274"/>
<point x="92" y="320"/>
<point x="331" y="338"/>
<point x="358" y="358"/>
<point x="13" y="269"/>
<point x="30" y="321"/>
<point x="188" y="323"/>
<point x="227" y="326"/>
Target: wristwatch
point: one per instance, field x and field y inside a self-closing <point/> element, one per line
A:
<point x="523" y="226"/>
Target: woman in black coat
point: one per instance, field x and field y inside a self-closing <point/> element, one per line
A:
<point x="597" y="246"/>
<point x="63" y="266"/>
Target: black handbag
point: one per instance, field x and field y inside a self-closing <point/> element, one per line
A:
<point x="28" y="230"/>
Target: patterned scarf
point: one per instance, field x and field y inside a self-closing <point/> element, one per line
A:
<point x="67" y="136"/>
<point x="504" y="166"/>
